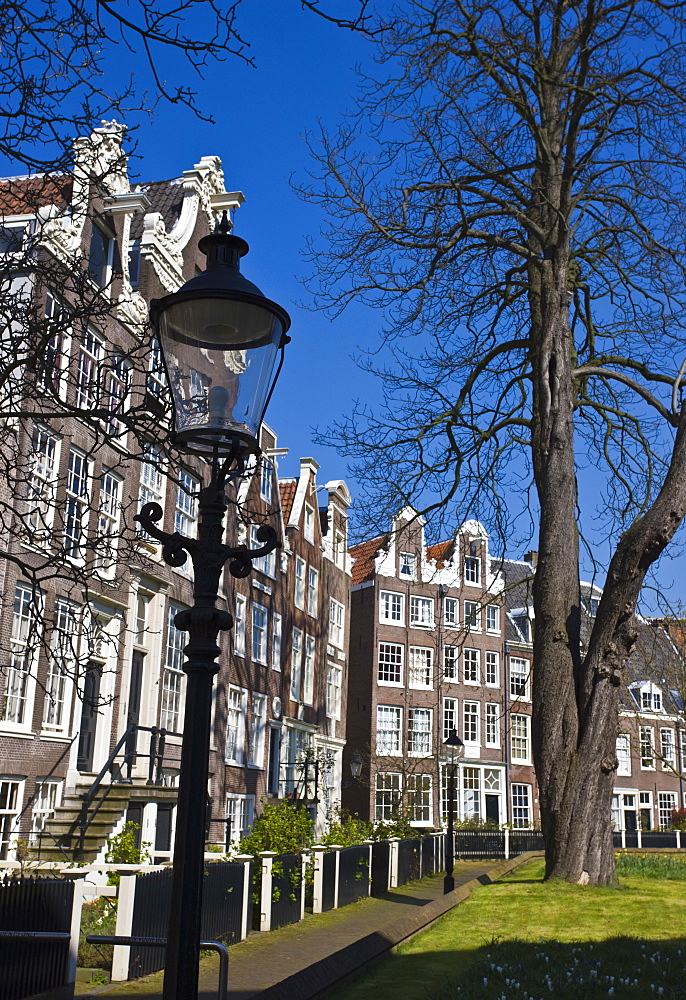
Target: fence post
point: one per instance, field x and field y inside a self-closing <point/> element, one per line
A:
<point x="370" y="845"/>
<point x="638" y="837"/>
<point x="337" y="848"/>
<point x="246" y="861"/>
<point x="75" y="929"/>
<point x="318" y="890"/>
<point x="266" y="890"/>
<point x="393" y="863"/>
<point x="506" y="831"/>
<point x="678" y="839"/>
<point x="125" y="900"/>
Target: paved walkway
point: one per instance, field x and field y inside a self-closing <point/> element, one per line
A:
<point x="266" y="959"/>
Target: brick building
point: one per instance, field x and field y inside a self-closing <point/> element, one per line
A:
<point x="90" y="649"/>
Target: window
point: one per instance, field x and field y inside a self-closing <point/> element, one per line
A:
<point x="421" y="667"/>
<point x="10" y="798"/>
<point x="388" y="796"/>
<point x="76" y="509"/>
<point x="336" y="623"/>
<point x="492" y="724"/>
<point x="23" y="656"/>
<point x="451" y="608"/>
<point x="492" y="669"/>
<point x="296" y="664"/>
<point x="258" y="725"/>
<point x="186" y="513"/>
<point x="240" y="810"/>
<point x="263" y="564"/>
<point x="472" y="615"/>
<point x="46" y="800"/>
<point x="309" y="523"/>
<point x="299" y="595"/>
<point x="115" y="391"/>
<point x="91" y="350"/>
<point x="623" y="751"/>
<point x="12" y="239"/>
<point x="492" y="618"/>
<point x="408" y="565"/>
<point x="100" y="256"/>
<point x="520" y="737"/>
<point x="471" y="792"/>
<point x="450" y="663"/>
<point x="422" y="611"/>
<point x="647" y="744"/>
<point x="470" y="721"/>
<point x="390" y="663"/>
<point x="519" y="678"/>
<point x="666" y="805"/>
<point x="109" y="514"/>
<point x="266" y="478"/>
<point x="388" y="730"/>
<point x="645" y="804"/>
<point x="419" y="799"/>
<point x="470" y="666"/>
<point x="667" y="749"/>
<point x="651" y="698"/>
<point x="312" y="591"/>
<point x="472" y="569"/>
<point x="239" y="626"/>
<point x="682" y="750"/>
<point x="449" y="716"/>
<point x="334" y="677"/>
<point x="392" y="608"/>
<point x="237" y="699"/>
<point x="62" y="660"/>
<point x="276" y="642"/>
<point x="42" y="484"/>
<point x="157" y="377"/>
<point x="308" y="685"/>
<point x="172" y="675"/>
<point x="339" y="549"/>
<point x="151" y="487"/>
<point x="419" y="731"/>
<point x="522" y="623"/>
<point x="521" y="806"/>
<point x="260" y="624"/>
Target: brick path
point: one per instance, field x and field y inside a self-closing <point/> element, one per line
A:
<point x="266" y="959"/>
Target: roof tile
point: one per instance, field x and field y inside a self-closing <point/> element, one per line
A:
<point x="363" y="555"/>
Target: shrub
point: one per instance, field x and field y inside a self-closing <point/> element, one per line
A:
<point x="98" y="917"/>
<point x="283" y="828"/>
<point x="123" y="849"/>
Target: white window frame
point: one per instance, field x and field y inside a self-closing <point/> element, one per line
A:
<point x="390" y="664"/>
<point x="493" y="619"/>
<point x="186" y="513"/>
<point x="623" y="753"/>
<point x="62" y="658"/>
<point x="299" y="583"/>
<point x="152" y="485"/>
<point x="276" y="641"/>
<point x="263" y="564"/>
<point x="296" y="663"/>
<point x="420" y="672"/>
<point x="646" y="735"/>
<point x="520" y="738"/>
<point x="173" y="681"/>
<point x="521" y="806"/>
<point x="492" y="668"/>
<point x="257" y="730"/>
<point x="240" y="809"/>
<point x="472" y="616"/>
<point x="391" y="608"/>
<point x="11" y="797"/>
<point x="266" y="478"/>
<point x="334" y="682"/>
<point x="419" y="789"/>
<point x="312" y="591"/>
<point x="336" y="623"/>
<point x="259" y="633"/>
<point x="419" y="732"/>
<point x="492" y="724"/>
<point x="520" y="688"/>
<point x="407" y="566"/>
<point x="109" y="523"/>
<point x="471" y="723"/>
<point x="309" y="662"/>
<point x="472" y="570"/>
<point x="90" y="356"/>
<point x="42" y="485"/>
<point x="236" y="724"/>
<point x="16" y="703"/>
<point x="388" y="795"/>
<point x="451" y="610"/>
<point x="667" y="803"/>
<point x="46" y="800"/>
<point x="77" y="504"/>
<point x="451" y="656"/>
<point x="471" y="666"/>
<point x="308" y="523"/>
<point x="667" y="750"/>
<point x="450" y="716"/>
<point x="389" y="738"/>
<point x="58" y="347"/>
<point x="239" y="625"/>
<point x="421" y="611"/>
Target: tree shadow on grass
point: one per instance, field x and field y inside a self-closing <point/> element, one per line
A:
<point x="623" y="968"/>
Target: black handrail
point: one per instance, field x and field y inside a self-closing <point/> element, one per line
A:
<point x="129" y="741"/>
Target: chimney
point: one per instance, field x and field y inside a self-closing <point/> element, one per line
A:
<point x="531" y="557"/>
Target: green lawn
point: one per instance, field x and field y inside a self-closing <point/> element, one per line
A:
<point x="523" y="939"/>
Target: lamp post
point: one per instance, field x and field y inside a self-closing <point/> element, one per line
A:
<point x="356" y="765"/>
<point x="219" y="338"/>
<point x="454" y="744"/>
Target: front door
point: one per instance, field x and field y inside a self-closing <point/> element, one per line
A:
<point x="89" y="717"/>
<point x="493" y="808"/>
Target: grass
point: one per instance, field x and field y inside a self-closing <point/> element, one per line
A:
<point x="523" y="939"/>
<point x="663" y="866"/>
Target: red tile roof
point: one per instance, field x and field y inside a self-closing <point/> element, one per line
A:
<point x="439" y="552"/>
<point x="23" y="195"/>
<point x="363" y="556"/>
<point x="287" y="493"/>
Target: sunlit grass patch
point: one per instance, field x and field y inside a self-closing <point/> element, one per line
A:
<point x="662" y="866"/>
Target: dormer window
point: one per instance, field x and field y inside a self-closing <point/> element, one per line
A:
<point x="266" y="478"/>
<point x="472" y="565"/>
<point x="523" y="624"/>
<point x="309" y="523"/>
<point x="408" y="565"/>
<point x="647" y="695"/>
<point x="100" y="256"/>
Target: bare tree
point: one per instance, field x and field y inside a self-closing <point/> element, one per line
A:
<point x="510" y="190"/>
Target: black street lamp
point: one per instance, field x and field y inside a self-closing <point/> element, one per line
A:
<point x="219" y="338"/>
<point x="356" y="765"/>
<point x="454" y="743"/>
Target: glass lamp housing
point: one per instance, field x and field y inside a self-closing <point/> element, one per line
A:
<point x="219" y="337"/>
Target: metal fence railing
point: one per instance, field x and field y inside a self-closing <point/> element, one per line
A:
<point x="353" y="874"/>
<point x="380" y="876"/>
<point x="287" y="875"/>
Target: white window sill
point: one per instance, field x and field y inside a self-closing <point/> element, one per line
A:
<point x="390" y="684"/>
<point x="20" y="732"/>
<point x="386" y="621"/>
